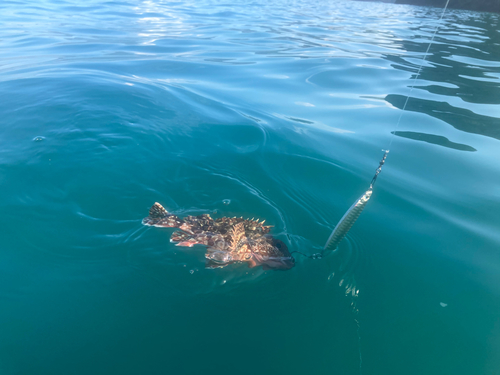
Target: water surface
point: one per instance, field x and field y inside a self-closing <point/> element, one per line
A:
<point x="283" y="109"/>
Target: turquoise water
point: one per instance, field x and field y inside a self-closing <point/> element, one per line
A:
<point x="283" y="109"/>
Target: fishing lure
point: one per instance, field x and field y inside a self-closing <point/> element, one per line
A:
<point x="352" y="214"/>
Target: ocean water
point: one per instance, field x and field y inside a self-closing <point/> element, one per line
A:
<point x="276" y="110"/>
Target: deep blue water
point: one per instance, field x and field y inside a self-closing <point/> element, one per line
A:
<point x="282" y="108"/>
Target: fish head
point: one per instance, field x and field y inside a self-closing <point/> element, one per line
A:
<point x="273" y="262"/>
<point x="280" y="245"/>
<point x="279" y="260"/>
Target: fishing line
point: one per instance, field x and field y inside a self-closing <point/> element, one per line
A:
<point x="347" y="221"/>
<point x="418" y="73"/>
<point x="310" y="256"/>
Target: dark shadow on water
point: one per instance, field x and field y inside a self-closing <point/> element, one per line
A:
<point x="461" y="119"/>
<point x="302" y="121"/>
<point x="462" y="62"/>
<point x="434" y="139"/>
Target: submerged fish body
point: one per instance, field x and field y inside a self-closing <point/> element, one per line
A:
<point x="228" y="240"/>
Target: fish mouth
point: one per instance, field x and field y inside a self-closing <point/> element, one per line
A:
<point x="277" y="263"/>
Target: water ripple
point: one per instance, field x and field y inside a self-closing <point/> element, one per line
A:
<point x="281" y="108"/>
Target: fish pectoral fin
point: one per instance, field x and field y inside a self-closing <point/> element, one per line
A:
<point x="189" y="243"/>
<point x="179" y="236"/>
<point x="252" y="263"/>
<point x="238" y="238"/>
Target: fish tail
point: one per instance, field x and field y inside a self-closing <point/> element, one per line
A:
<point x="160" y="217"/>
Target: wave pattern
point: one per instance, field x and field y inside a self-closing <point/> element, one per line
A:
<point x="282" y="109"/>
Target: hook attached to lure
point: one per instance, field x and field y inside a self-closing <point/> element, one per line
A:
<point x="349" y="218"/>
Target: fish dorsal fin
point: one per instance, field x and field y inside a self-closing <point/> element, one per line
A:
<point x="157" y="211"/>
<point x="238" y="238"/>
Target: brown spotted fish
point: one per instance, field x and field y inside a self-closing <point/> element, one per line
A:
<point x="228" y="240"/>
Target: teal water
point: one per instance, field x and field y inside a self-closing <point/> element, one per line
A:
<point x="282" y="108"/>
